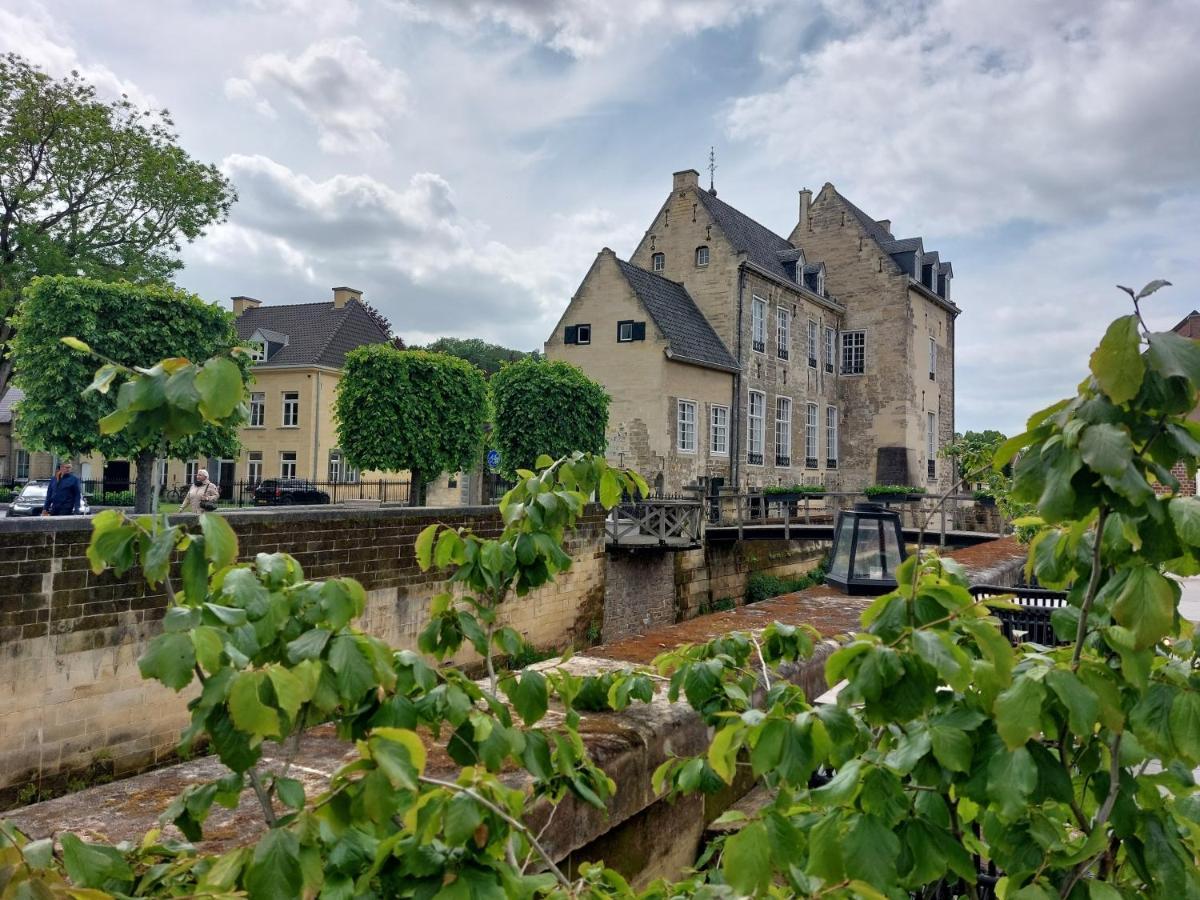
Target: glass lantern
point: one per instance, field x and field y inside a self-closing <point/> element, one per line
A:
<point x="868" y="548"/>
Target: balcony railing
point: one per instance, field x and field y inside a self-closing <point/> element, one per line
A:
<point x="760" y="346"/>
<point x="754" y="459"/>
<point x="932" y="466"/>
<point x="831" y="463"/>
<point x="782" y="460"/>
<point x="810" y="462"/>
<point x="783" y="353"/>
<point x="812" y="362"/>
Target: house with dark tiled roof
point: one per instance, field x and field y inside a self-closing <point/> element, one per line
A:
<point x="737" y="356"/>
<point x="299" y="350"/>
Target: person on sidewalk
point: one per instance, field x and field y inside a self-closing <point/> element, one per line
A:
<point x="62" y="493"/>
<point x="202" y="496"/>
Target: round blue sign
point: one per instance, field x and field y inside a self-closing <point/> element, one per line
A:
<point x="493" y="459"/>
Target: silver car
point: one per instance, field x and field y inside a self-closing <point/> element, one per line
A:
<point x="33" y="496"/>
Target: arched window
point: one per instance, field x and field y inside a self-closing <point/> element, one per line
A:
<point x="702" y="256"/>
<point x="658" y="262"/>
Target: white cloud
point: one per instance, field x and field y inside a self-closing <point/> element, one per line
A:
<point x="584" y="28"/>
<point x="966" y="115"/>
<point x="349" y="95"/>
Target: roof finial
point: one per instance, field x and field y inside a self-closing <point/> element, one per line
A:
<point x="712" y="167"/>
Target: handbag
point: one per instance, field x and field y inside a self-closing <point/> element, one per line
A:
<point x="207" y="505"/>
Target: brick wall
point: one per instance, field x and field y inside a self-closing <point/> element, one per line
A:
<point x="1187" y="482"/>
<point x="639" y="593"/>
<point x="71" y="695"/>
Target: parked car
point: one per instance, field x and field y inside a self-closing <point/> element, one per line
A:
<point x="33" y="495"/>
<point x="287" y="491"/>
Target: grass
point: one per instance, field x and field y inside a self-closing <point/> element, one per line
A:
<point x="762" y="586"/>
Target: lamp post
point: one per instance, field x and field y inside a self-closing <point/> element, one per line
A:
<point x="868" y="548"/>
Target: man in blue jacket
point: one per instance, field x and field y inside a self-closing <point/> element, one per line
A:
<point x="62" y="493"/>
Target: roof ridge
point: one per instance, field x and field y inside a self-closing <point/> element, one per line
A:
<point x="707" y="197"/>
<point x="345" y="317"/>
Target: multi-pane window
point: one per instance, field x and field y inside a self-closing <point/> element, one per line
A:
<point x="831" y="437"/>
<point x="335" y="465"/>
<point x="754" y="443"/>
<point x="258" y="409"/>
<point x="783" y="431"/>
<point x="258" y="351"/>
<point x="624" y="331"/>
<point x="658" y="262"/>
<point x="810" y="437"/>
<point x="931" y="443"/>
<point x="686" y="431"/>
<point x="22" y="465"/>
<point x="783" y="332"/>
<point x="812" y="343"/>
<point x="830" y="348"/>
<point x="287" y="464"/>
<point x="254" y="466"/>
<point x="291" y="409"/>
<point x="162" y="471"/>
<point x="702" y="256"/>
<point x="758" y="324"/>
<point x="932" y="359"/>
<point x="718" y="437"/>
<point x="854" y="352"/>
<point x="190" y="468"/>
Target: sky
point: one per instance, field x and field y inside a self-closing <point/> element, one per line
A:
<point x="463" y="161"/>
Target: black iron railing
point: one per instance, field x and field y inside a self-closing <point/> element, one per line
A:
<point x="782" y="460"/>
<point x="754" y="459"/>
<point x="760" y="346"/>
<point x="810" y="462"/>
<point x="1030" y="623"/>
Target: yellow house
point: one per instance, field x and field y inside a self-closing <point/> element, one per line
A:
<point x="300" y="349"/>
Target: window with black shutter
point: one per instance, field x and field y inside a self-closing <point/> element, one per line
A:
<point x="571" y="335"/>
<point x="639" y="331"/>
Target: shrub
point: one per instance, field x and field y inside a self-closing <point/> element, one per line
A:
<point x="761" y="586"/>
<point x="794" y="489"/>
<point x="876" y="490"/>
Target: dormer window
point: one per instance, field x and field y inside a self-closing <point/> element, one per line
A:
<point x="258" y="350"/>
<point x="701" y="256"/>
<point x="658" y="262"/>
<point x="821" y="282"/>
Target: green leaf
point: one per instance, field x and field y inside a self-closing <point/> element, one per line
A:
<point x="1146" y="605"/>
<point x="462" y="816"/>
<point x="746" y="862"/>
<point x="274" y="872"/>
<point x="220" y="543"/>
<point x="610" y="489"/>
<point x="722" y="752"/>
<point x="354" y="674"/>
<point x="1185" y="724"/>
<point x="399" y="754"/>
<point x="76" y="344"/>
<point x="170" y="658"/>
<point x="194" y="572"/>
<point x="1172" y="354"/>
<point x="90" y="865"/>
<point x="1011" y="778"/>
<point x="208" y="643"/>
<point x="290" y="792"/>
<point x="871" y="851"/>
<point x="1117" y="362"/>
<point x="1185" y="516"/>
<point x="529" y="695"/>
<point x="951" y="747"/>
<point x="1083" y="706"/>
<point x="1018" y="711"/>
<point x="309" y="645"/>
<point x="289" y="690"/>
<point x="1107" y="449"/>
<point x="249" y="713"/>
<point x="221" y="389"/>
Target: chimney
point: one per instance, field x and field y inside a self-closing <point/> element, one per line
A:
<point x="885" y="224"/>
<point x="343" y="295"/>
<point x="805" y="203"/>
<point x="688" y="178"/>
<point x="241" y="304"/>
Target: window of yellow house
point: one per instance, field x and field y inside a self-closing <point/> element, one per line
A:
<point x="291" y="409"/>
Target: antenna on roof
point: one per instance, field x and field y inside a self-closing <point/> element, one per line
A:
<point x="712" y="167"/>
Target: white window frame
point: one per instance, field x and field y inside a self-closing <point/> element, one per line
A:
<point x="624" y="332"/>
<point x="718" y="430"/>
<point x="258" y="350"/>
<point x="254" y="466"/>
<point x="284" y="462"/>
<point x="813" y="358"/>
<point x="783" y="430"/>
<point x="830" y="350"/>
<point x="336" y="462"/>
<point x="811" y="445"/>
<point x="931" y="435"/>
<point x="579" y="338"/>
<point x="291" y="409"/>
<point x="783" y="332"/>
<point x="258" y="409"/>
<point x="861" y="349"/>
<point x="821" y="282"/>
<point x="702" y="256"/>
<point x="658" y="262"/>
<point x="190" y="468"/>
<point x="933" y="355"/>
<point x="758" y="324"/>
<point x="755" y="431"/>
<point x="21" y="464"/>
<point x="685" y="426"/>
<point x="831" y="436"/>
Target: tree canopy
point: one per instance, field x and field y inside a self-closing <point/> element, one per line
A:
<point x="489" y="357"/>
<point x="410" y="410"/>
<point x="92" y="187"/>
<point x="129" y="324"/>
<point x="546" y="407"/>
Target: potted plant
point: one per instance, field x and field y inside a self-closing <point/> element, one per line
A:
<point x="794" y="491"/>
<point x="893" y="493"/>
<point x="984" y="497"/>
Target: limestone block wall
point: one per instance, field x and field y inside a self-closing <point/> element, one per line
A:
<point x="721" y="571"/>
<point x="71" y="695"/>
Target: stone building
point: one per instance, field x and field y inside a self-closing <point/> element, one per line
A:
<point x="737" y="355"/>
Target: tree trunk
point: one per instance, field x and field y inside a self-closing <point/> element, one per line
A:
<point x="143" y="498"/>
<point x="416" y="489"/>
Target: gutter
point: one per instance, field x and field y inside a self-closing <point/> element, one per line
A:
<point x="807" y="293"/>
<point x="316" y="425"/>
<point x="735" y="448"/>
<point x="702" y="363"/>
<point x="925" y="292"/>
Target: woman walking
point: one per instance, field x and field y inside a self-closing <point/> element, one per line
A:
<point x="202" y="496"/>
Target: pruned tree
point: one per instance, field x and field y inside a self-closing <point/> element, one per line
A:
<point x="134" y="326"/>
<point x="409" y="410"/>
<point x="489" y="357"/>
<point x="523" y="392"/>
<point x="91" y="187"/>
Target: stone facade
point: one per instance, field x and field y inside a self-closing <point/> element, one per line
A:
<point x="791" y="414"/>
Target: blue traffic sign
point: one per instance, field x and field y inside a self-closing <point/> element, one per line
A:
<point x="493" y="459"/>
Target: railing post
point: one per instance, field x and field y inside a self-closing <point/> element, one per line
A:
<point x="787" y="521"/>
<point x="807" y="520"/>
<point x="739" y="499"/>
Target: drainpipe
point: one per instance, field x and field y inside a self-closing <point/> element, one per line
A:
<point x="316" y="419"/>
<point x="735" y="448"/>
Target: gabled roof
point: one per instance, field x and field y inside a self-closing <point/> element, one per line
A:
<point x="873" y="228"/>
<point x="907" y="245"/>
<point x="761" y="244"/>
<point x="315" y="334"/>
<point x="673" y="310"/>
<point x="11" y="398"/>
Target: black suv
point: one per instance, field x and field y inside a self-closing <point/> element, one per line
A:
<point x="284" y="491"/>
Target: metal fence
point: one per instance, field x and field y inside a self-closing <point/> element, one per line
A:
<point x="112" y="492"/>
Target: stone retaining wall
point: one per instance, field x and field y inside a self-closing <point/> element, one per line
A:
<point x="703" y="578"/>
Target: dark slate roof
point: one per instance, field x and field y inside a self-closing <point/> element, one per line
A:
<point x="792" y="255"/>
<point x="675" y="313"/>
<point x="11" y="398"/>
<point x="907" y="245"/>
<point x="318" y="334"/>
<point x="761" y="244"/>
<point x="873" y="228"/>
<point x="946" y="269"/>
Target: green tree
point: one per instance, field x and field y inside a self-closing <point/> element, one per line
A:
<point x="132" y="325"/>
<point x="91" y="187"/>
<point x="546" y="406"/>
<point x="489" y="357"/>
<point x="410" y="410"/>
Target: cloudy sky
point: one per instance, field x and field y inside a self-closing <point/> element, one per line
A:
<point x="462" y="161"/>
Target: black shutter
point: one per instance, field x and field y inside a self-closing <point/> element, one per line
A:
<point x="572" y="335"/>
<point x="639" y="331"/>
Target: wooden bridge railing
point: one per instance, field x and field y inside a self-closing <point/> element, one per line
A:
<point x="662" y="522"/>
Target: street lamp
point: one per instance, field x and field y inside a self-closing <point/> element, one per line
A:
<point x="868" y="548"/>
